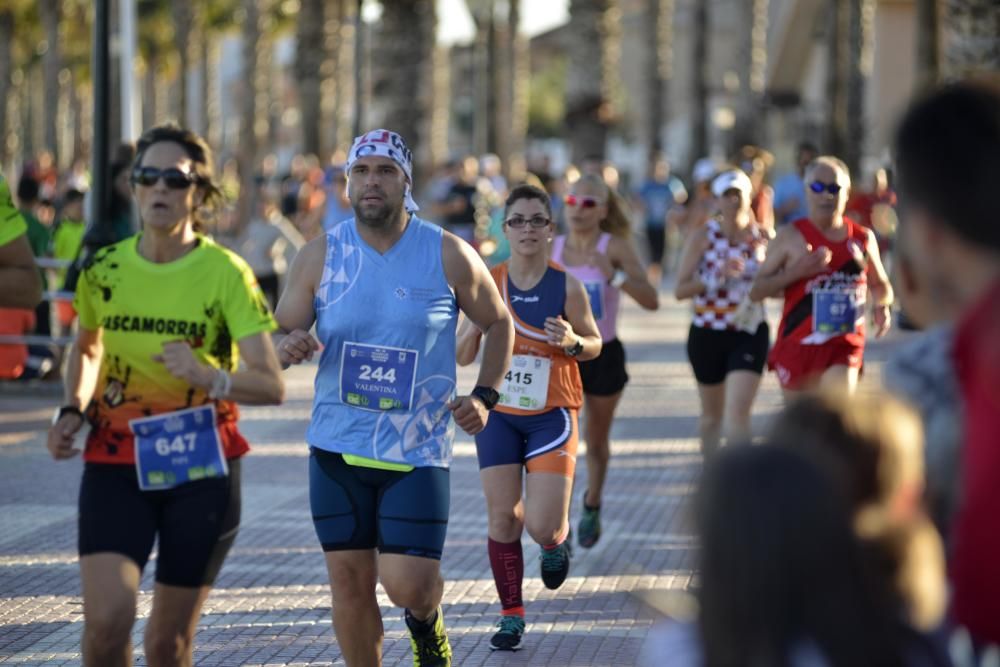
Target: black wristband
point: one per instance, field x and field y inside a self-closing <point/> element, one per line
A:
<point x="67" y="410"/>
<point x="575" y="349"/>
<point x="488" y="395"/>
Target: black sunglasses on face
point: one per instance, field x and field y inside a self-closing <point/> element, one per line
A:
<point x="818" y="187"/>
<point x="173" y="178"/>
<point x="518" y="222"/>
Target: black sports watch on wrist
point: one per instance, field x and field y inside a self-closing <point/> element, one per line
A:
<point x="488" y="395"/>
<point x="67" y="410"/>
<point x="574" y="349"/>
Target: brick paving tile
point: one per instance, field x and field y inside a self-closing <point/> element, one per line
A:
<point x="271" y="605"/>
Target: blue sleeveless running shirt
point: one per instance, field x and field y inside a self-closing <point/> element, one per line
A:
<point x="387" y="369"/>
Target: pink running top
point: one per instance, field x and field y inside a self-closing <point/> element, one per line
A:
<point x="604" y="299"/>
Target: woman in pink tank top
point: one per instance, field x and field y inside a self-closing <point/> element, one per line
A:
<point x="598" y="251"/>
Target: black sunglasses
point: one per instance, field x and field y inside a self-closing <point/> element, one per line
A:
<point x="518" y="222"/>
<point x="818" y="187"/>
<point x="173" y="178"/>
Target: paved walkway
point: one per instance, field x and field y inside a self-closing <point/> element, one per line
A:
<point x="271" y="605"/>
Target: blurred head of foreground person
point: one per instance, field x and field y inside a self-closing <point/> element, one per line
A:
<point x="783" y="578"/>
<point x="873" y="445"/>
<point x="948" y="162"/>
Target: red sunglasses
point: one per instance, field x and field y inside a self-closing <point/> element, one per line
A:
<point x="582" y="202"/>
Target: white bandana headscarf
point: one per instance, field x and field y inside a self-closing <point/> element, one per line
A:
<point x="385" y="143"/>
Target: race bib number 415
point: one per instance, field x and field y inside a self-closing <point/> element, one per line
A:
<point x="526" y="384"/>
<point x="377" y="378"/>
<point x="177" y="447"/>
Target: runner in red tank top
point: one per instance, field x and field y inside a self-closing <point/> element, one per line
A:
<point x="824" y="266"/>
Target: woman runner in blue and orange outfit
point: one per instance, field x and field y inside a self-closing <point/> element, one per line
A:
<point x="535" y="424"/>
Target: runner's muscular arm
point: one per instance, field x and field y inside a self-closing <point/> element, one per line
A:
<point x="581" y="320"/>
<point x="82" y="369"/>
<point x="19" y="275"/>
<point x="295" y="311"/>
<point x="480" y="300"/>
<point x="622" y="253"/>
<point x="879" y="286"/>
<point x="774" y="274"/>
<point x="689" y="284"/>
<point x="467" y="342"/>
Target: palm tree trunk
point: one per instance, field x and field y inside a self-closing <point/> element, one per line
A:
<point x="836" y="86"/>
<point x="659" y="27"/>
<point x="6" y="71"/>
<point x="699" y="99"/>
<point x="405" y="80"/>
<point x="310" y="54"/>
<point x="247" y="151"/>
<point x="331" y="86"/>
<point x="860" y="63"/>
<point x="753" y="62"/>
<point x="971" y="45"/>
<point x="49" y="10"/>
<point x="928" y="56"/>
<point x="183" y="23"/>
<point x="520" y="80"/>
<point x="590" y="80"/>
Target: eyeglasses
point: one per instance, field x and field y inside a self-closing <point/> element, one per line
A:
<point x="537" y="222"/>
<point x="173" y="178"/>
<point x="582" y="202"/>
<point x="819" y="187"/>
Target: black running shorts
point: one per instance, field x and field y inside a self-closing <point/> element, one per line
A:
<point x="714" y="354"/>
<point x="605" y="375"/>
<point x="196" y="522"/>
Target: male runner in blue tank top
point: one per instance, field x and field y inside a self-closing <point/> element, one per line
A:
<point x="383" y="290"/>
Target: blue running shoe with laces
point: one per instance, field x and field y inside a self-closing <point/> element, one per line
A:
<point x="510" y="630"/>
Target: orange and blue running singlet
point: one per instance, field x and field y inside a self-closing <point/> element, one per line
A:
<point x="535" y="423"/>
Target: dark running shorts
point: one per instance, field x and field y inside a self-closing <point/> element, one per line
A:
<point x="714" y="354"/>
<point x="543" y="442"/>
<point x="195" y="523"/>
<point x="657" y="237"/>
<point x="605" y="375"/>
<point x="355" y="507"/>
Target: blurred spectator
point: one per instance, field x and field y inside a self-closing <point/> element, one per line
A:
<point x="790" y="189"/>
<point x="874" y="447"/>
<point x="21" y="280"/>
<point x="492" y="170"/>
<point x="875" y="209"/>
<point x="948" y="162"/>
<point x="701" y="204"/>
<point x="121" y="213"/>
<point x="756" y="162"/>
<point x="14" y="356"/>
<point x="67" y="239"/>
<point x="659" y="193"/>
<point x="39" y="237"/>
<point x="338" y="204"/>
<point x="783" y="579"/>
<point x="458" y="210"/>
<point x="268" y="243"/>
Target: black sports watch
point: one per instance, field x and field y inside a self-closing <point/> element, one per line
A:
<point x="488" y="395"/>
<point x="67" y="410"/>
<point x="574" y="349"/>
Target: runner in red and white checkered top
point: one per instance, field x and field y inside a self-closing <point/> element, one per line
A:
<point x="728" y="341"/>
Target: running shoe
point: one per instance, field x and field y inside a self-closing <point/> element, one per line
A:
<point x="429" y="642"/>
<point x="555" y="565"/>
<point x="590" y="526"/>
<point x="509" y="633"/>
